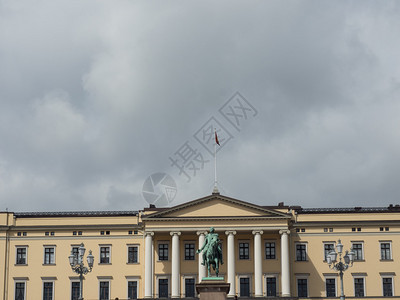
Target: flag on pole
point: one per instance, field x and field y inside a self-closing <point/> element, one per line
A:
<point x="216" y="139"/>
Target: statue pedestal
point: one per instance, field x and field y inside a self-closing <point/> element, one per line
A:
<point x="212" y="289"/>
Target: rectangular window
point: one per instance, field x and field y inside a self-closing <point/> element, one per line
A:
<point x="189" y="287"/>
<point x="132" y="289"/>
<point x="385" y="251"/>
<point x="104" y="290"/>
<point x="162" y="251"/>
<point x="20" y="291"/>
<point x="359" y="287"/>
<point x="132" y="254"/>
<point x="330" y="287"/>
<point x="244" y="287"/>
<point x="243" y="250"/>
<point x="358" y="251"/>
<point x="163" y="288"/>
<point x="387" y="287"/>
<point x="47" y="290"/>
<point x="21" y="256"/>
<point x="49" y="255"/>
<point x="75" y="251"/>
<point x="104" y="255"/>
<point x="328" y="247"/>
<point x="270" y="250"/>
<point x="302" y="287"/>
<point x="75" y="287"/>
<point x="301" y="252"/>
<point x="189" y="251"/>
<point x="271" y="286"/>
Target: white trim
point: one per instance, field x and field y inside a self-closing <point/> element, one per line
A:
<point x="295" y="251"/>
<point x="109" y="286"/>
<point x="44" y="255"/>
<point x="132" y="278"/>
<point x="15" y="287"/>
<point x="127" y="253"/>
<point x="323" y="249"/>
<point x="109" y="254"/>
<point x="71" y="281"/>
<point x="303" y="276"/>
<point x="249" y="276"/>
<point x="163" y="276"/>
<point x="336" y="284"/>
<point x="271" y="275"/>
<point x="362" y="249"/>
<point x="391" y="277"/>
<point x="390" y="250"/>
<point x="364" y="283"/>
<point x="26" y="254"/>
<point x="53" y="287"/>
<point x="189" y="276"/>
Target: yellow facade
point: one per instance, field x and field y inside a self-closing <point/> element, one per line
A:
<point x="34" y="250"/>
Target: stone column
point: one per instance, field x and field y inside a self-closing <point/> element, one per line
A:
<point x="202" y="269"/>
<point x="285" y="266"/>
<point x="175" y="269"/>
<point x="231" y="262"/>
<point x="257" y="263"/>
<point x="148" y="265"/>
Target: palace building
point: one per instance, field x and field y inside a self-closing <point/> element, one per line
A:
<point x="268" y="251"/>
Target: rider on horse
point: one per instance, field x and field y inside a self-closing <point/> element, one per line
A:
<point x="212" y="244"/>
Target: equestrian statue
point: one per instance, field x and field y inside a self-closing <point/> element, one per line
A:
<point x="212" y="252"/>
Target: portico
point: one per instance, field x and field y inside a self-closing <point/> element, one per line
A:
<point x="255" y="242"/>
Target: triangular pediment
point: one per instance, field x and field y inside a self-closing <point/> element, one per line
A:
<point x="217" y="206"/>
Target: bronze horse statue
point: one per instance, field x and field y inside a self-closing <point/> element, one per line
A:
<point x="212" y="254"/>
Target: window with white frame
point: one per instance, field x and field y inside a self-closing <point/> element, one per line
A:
<point x="386" y="250"/>
<point x="132" y="289"/>
<point x="75" y="289"/>
<point x="270" y="250"/>
<point x="328" y="247"/>
<point x="105" y="254"/>
<point x="301" y="251"/>
<point x="104" y="292"/>
<point x="20" y="290"/>
<point x="302" y="287"/>
<point x="49" y="255"/>
<point x="387" y="286"/>
<point x="163" y="251"/>
<point x="359" y="287"/>
<point x="21" y="255"/>
<point x="133" y="254"/>
<point x="330" y="286"/>
<point x="48" y="290"/>
<point x="358" y="249"/>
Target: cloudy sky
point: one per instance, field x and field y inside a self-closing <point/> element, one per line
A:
<point x="96" y="96"/>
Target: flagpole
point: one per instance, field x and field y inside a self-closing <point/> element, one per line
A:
<point x="215" y="191"/>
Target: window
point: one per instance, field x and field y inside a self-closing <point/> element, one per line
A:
<point x="387" y="286"/>
<point x="302" y="287"/>
<point x="19" y="233"/>
<point x="74" y="233"/>
<point x="163" y="287"/>
<point x="24" y="233"/>
<point x="47" y="290"/>
<point x="107" y="232"/>
<point x="243" y="250"/>
<point x="132" y="254"/>
<point x="132" y="289"/>
<point x="330" y="287"/>
<point x="189" y="251"/>
<point x="75" y="287"/>
<point x="104" y="290"/>
<point x="271" y="286"/>
<point x="20" y="291"/>
<point x="75" y="251"/>
<point x="129" y="231"/>
<point x="105" y="255"/>
<point x="244" y="287"/>
<point x="102" y="232"/>
<point x="359" y="287"/>
<point x="270" y="250"/>
<point x="162" y="251"/>
<point x="21" y="256"/>
<point x="79" y="232"/>
<point x="301" y="252"/>
<point x="328" y="247"/>
<point x="385" y="251"/>
<point x="46" y="233"/>
<point x="49" y="258"/>
<point x="358" y="251"/>
<point x="189" y="287"/>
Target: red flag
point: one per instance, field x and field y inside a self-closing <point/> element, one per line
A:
<point x="216" y="139"/>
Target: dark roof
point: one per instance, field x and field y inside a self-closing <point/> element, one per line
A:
<point x="340" y="210"/>
<point x="75" y="214"/>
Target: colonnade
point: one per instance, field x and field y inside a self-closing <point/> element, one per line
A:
<point x="231" y="260"/>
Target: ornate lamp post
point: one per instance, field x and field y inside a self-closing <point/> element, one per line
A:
<point x="340" y="266"/>
<point x="77" y="266"/>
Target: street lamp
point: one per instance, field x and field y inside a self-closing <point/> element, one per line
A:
<point x="76" y="262"/>
<point x="340" y="266"/>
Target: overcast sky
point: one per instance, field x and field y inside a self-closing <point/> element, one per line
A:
<point x="96" y="96"/>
